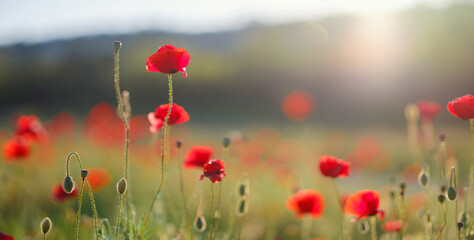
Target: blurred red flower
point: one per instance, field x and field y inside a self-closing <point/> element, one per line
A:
<point x="61" y="125"/>
<point x="177" y="116"/>
<point x="392" y="226"/>
<point x="59" y="195"/>
<point x="16" y="148"/>
<point x="197" y="156"/>
<point x="306" y="202"/>
<point x="364" y="204"/>
<point x="30" y="127"/>
<point x="297" y="106"/>
<point x="462" y="107"/>
<point x="98" y="178"/>
<point x="428" y="110"/>
<point x="332" y="167"/>
<point x="214" y="170"/>
<point x="168" y="59"/>
<point x="4" y="236"/>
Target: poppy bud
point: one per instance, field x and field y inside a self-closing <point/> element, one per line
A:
<point x="200" y="223"/>
<point x="442" y="137"/>
<point x="226" y="142"/>
<point x="244" y="186"/>
<point x="460" y="225"/>
<point x="241" y="207"/>
<point x="84" y="173"/>
<point x="403" y="186"/>
<point x="121" y="186"/>
<point x="117" y="45"/>
<point x="443" y="189"/>
<point x="46" y="225"/>
<point x="441" y="198"/>
<point x="68" y="185"/>
<point x="402" y="193"/>
<point x="465" y="218"/>
<point x="423" y="178"/>
<point x="179" y="144"/>
<point x="452" y="193"/>
<point x="392" y="194"/>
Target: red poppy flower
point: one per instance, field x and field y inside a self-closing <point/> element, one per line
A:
<point x="214" y="170"/>
<point x="98" y="178"/>
<point x="428" y="110"/>
<point x="4" y="236"/>
<point x="168" y="59"/>
<point x="306" y="202"/>
<point x="178" y="115"/>
<point x="16" y="148"/>
<point x="364" y="204"/>
<point x="332" y="167"/>
<point x="462" y="107"/>
<point x="30" y="127"/>
<point x="392" y="226"/>
<point x="298" y="105"/>
<point x="197" y="156"/>
<point x="59" y="195"/>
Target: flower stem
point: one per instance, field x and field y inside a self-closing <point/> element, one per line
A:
<point x="336" y="191"/>
<point x="125" y="123"/>
<point x="373" y="228"/>
<point x="163" y="134"/>
<point x="79" y="206"/>
<point x="119" y="216"/>
<point x="219" y="195"/>
<point x="94" y="209"/>
<point x="471" y="121"/>
<point x="443" y="209"/>
<point x="183" y="197"/>
<point x="306" y="228"/>
<point x="212" y="211"/>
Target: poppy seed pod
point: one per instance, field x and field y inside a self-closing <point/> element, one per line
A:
<point x="179" y="144"/>
<point x="68" y="185"/>
<point x="122" y="186"/>
<point x="46" y="225"/>
<point x="117" y="45"/>
<point x="452" y="193"/>
<point x="226" y="142"/>
<point x="84" y="173"/>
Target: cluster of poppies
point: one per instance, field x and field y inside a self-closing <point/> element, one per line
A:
<point x="29" y="130"/>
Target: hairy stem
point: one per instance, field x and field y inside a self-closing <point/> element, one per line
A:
<point x="212" y="211"/>
<point x="373" y="228"/>
<point x="79" y="206"/>
<point x="119" y="216"/>
<point x="183" y="197"/>
<point x="94" y="209"/>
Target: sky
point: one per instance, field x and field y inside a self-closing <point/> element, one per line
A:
<point x="30" y="21"/>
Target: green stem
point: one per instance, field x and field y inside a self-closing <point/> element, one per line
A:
<point x="212" y="211"/>
<point x="443" y="209"/>
<point x="78" y="214"/>
<point x="373" y="228"/>
<point x="125" y="122"/>
<point x="94" y="209"/>
<point x="336" y="192"/>
<point x="163" y="134"/>
<point x="219" y="195"/>
<point x="240" y="227"/>
<point x="78" y="161"/>
<point x="401" y="214"/>
<point x="471" y="121"/>
<point x="119" y="216"/>
<point x="306" y="228"/>
<point x="183" y="197"/>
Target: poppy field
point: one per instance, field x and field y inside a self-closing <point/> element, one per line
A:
<point x="137" y="177"/>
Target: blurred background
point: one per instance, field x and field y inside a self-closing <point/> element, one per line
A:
<point x="361" y="61"/>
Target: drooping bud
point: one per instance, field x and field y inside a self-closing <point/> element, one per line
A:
<point x="68" y="185"/>
<point x="200" y="223"/>
<point x="84" y="174"/>
<point x="452" y="193"/>
<point x="226" y="142"/>
<point x="46" y="225"/>
<point x="244" y="186"/>
<point x="441" y="198"/>
<point x="117" y="45"/>
<point x="241" y="207"/>
<point x="423" y="178"/>
<point x="179" y="144"/>
<point x="122" y="186"/>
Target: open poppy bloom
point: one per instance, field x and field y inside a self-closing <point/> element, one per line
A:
<point x="178" y="115"/>
<point x="16" y="148"/>
<point x="306" y="202"/>
<point x="197" y="156"/>
<point x="59" y="195"/>
<point x="392" y="226"/>
<point x="98" y="178"/>
<point x="214" y="170"/>
<point x="168" y="59"/>
<point x="298" y="105"/>
<point x="364" y="204"/>
<point x="428" y="110"/>
<point x="30" y="127"/>
<point x="332" y="167"/>
<point x="462" y="107"/>
<point x="4" y="236"/>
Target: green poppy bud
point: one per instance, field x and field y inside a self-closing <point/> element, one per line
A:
<point x="46" y="225"/>
<point x="200" y="223"/>
<point x="452" y="193"/>
<point x="423" y="178"/>
<point x="441" y="198"/>
<point x="122" y="186"/>
<point x="84" y="174"/>
<point x="226" y="142"/>
<point x="117" y="45"/>
<point x="68" y="185"/>
<point x="179" y="144"/>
